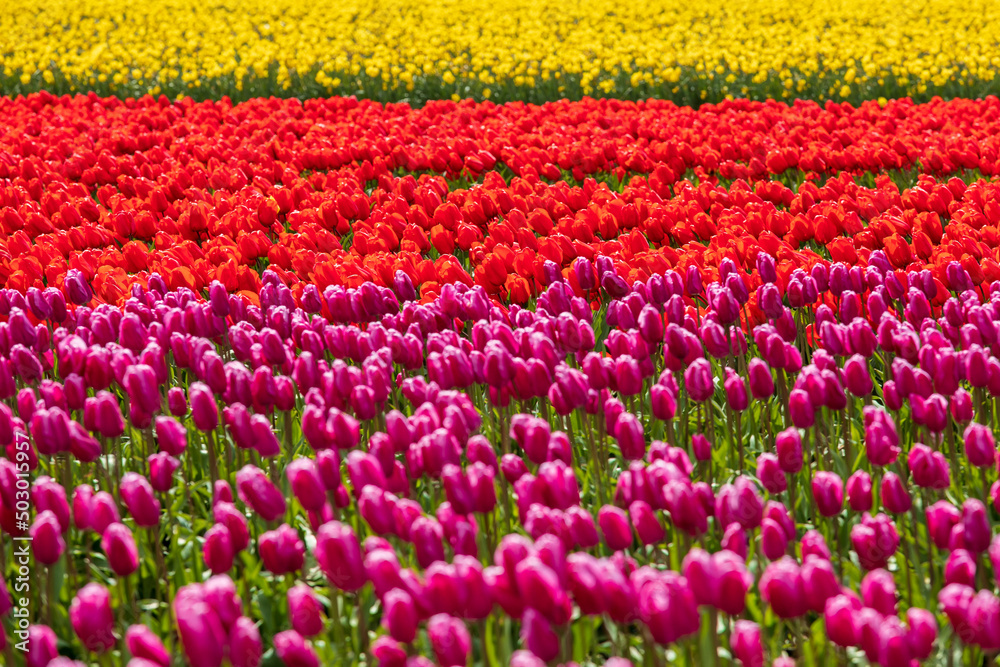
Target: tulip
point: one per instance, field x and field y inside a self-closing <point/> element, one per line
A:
<point x="961" y="406"/>
<point x="304" y="610"/>
<point x="171" y="436"/>
<point x="162" y="467"/>
<point x="92" y="619"/>
<point x="875" y="539"/>
<point x="140" y="500"/>
<point x="120" y="549"/>
<point x="257" y="491"/>
<point x="856" y="376"/>
<point x="922" y="633"/>
<point x="666" y="605"/>
<point x="980" y="446"/>
<point x="955" y="601"/>
<point x="542" y="589"/>
<point x="840" y="618"/>
<point x="960" y="568"/>
<point x="942" y="516"/>
<point x="46" y="494"/>
<point x="103" y="512"/>
<point x="204" y="411"/>
<point x="698" y="380"/>
<point x="306" y="483"/>
<point x="746" y="644"/>
<point x="538" y="636"/>
<point x="176" y="402"/>
<point x="338" y="554"/>
<point x="977" y="525"/>
<point x="929" y="468"/>
<point x="142" y="643"/>
<point x="770" y="474"/>
<point x="878" y="590"/>
<point x="894" y="494"/>
<point x="218" y="549"/>
<point x="281" y="550"/>
<point x="450" y="640"/>
<point x="647" y="525"/>
<point x="984" y="618"/>
<point x="77" y="288"/>
<point x="828" y="493"/>
<point x="701" y="447"/>
<point x="760" y="379"/>
<point x="736" y="391"/>
<point x="294" y="651"/>
<point x="400" y="617"/>
<point x="42" y="646"/>
<point x="801" y="409"/>
<point x="615" y="527"/>
<point x="774" y="541"/>
<point x="782" y="587"/>
<point x="388" y="653"/>
<point x="819" y="581"/>
<point x="47" y="542"/>
<point x="788" y="444"/>
<point x="859" y="491"/>
<point x="733" y="581"/>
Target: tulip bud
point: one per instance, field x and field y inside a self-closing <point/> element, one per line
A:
<point x="142" y="643"/>
<point x="976" y="524"/>
<point x="338" y="554"/>
<point x="781" y="586"/>
<point x="171" y="436"/>
<point x="929" y="468"/>
<point x="77" y="288"/>
<point x="631" y="440"/>
<point x="120" y="549"/>
<point x="698" y="380"/>
<point x="294" y="651"/>
<point x="774" y="541"/>
<point x="103" y="512"/>
<point x="257" y="491"/>
<point x="162" y="467"/>
<point x="828" y="492"/>
<point x="46" y="494"/>
<point x="204" y="410"/>
<point x="307" y="484"/>
<point x="92" y="619"/>
<point x="47" y="542"/>
<point x="878" y="591"/>
<point x="875" y="539"/>
<point x="450" y="640"/>
<point x="305" y="610"/>
<point x="538" y="636"/>
<point x="615" y="527"/>
<point x="139" y="498"/>
<point x="960" y="568"/>
<point x="980" y="446"/>
<point x="770" y="474"/>
<point x="788" y="445"/>
<point x="761" y="380"/>
<point x="647" y="525"/>
<point x="281" y="550"/>
<point x="801" y="409"/>
<point x="859" y="491"/>
<point x="746" y="644"/>
<point x="83" y="497"/>
<point x="245" y="645"/>
<point x="840" y="618"/>
<point x="736" y="391"/>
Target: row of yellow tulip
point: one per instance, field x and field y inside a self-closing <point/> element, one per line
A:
<point x="518" y="49"/>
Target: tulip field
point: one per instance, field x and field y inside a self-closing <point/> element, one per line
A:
<point x="418" y="355"/>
